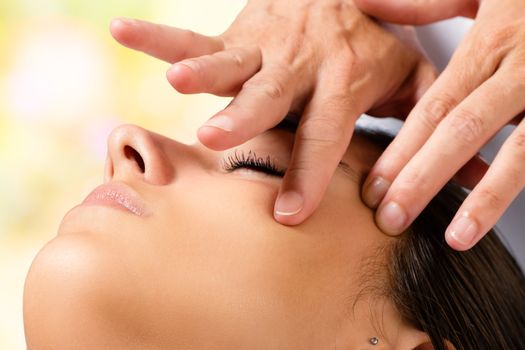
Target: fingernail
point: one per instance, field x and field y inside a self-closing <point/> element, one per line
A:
<point x="375" y="190"/>
<point x="289" y="203"/>
<point x="220" y="122"/>
<point x="194" y="66"/>
<point x="392" y="218"/>
<point x="127" y="21"/>
<point x="463" y="230"/>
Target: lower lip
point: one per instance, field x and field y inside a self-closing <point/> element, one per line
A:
<point x="117" y="196"/>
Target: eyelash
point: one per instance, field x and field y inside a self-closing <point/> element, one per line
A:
<point x="239" y="159"/>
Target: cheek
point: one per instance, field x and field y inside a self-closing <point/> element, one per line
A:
<point x="343" y="226"/>
<point x="216" y="259"/>
<point x="212" y="257"/>
<point x="224" y="262"/>
<point x="217" y="227"/>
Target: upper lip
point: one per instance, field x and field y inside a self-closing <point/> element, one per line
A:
<point x="118" y="193"/>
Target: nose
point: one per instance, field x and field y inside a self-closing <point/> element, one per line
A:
<point x="134" y="152"/>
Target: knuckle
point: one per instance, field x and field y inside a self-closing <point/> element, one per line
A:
<point x="514" y="75"/>
<point x="347" y="67"/>
<point x="347" y="56"/>
<point x="517" y="144"/>
<point x="519" y="141"/>
<point x="298" y="168"/>
<point x="436" y="110"/>
<point x="514" y="178"/>
<point x="271" y="88"/>
<point x="501" y="38"/>
<point x="350" y="74"/>
<point x="466" y="126"/>
<point x="236" y="58"/>
<point x="293" y="47"/>
<point x="323" y="132"/>
<point x="485" y="52"/>
<point x="415" y="178"/>
<point x="490" y="197"/>
<point x="307" y="168"/>
<point x="351" y="19"/>
<point x="189" y="36"/>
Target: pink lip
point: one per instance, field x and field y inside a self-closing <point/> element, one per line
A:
<point x="117" y="195"/>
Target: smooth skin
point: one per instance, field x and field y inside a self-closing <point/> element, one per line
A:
<point x="323" y="60"/>
<point x="481" y="90"/>
<point x="208" y="267"/>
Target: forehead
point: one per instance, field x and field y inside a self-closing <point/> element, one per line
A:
<point x="361" y="154"/>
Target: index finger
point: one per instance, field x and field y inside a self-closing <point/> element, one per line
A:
<point x="456" y="139"/>
<point x="166" y="43"/>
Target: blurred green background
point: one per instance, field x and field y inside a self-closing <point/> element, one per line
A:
<point x="64" y="84"/>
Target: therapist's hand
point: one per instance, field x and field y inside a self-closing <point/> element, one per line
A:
<point x="481" y="90"/>
<point x="322" y="59"/>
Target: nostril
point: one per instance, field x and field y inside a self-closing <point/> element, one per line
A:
<point x="131" y="153"/>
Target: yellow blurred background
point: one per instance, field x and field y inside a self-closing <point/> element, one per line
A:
<point x="64" y="84"/>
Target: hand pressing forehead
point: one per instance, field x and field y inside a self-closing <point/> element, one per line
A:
<point x="323" y="60"/>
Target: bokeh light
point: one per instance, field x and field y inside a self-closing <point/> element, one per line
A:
<point x="64" y="85"/>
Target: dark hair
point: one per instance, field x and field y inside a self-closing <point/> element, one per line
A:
<point x="474" y="299"/>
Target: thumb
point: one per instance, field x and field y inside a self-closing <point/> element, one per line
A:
<point x="417" y="11"/>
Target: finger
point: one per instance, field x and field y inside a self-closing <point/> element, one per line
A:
<point x="471" y="173"/>
<point x="468" y="127"/>
<point x="484" y="206"/>
<point x="163" y="42"/>
<point x="264" y="100"/>
<point x="416" y="11"/>
<point x="465" y="73"/>
<point x="221" y="73"/>
<point x="321" y="140"/>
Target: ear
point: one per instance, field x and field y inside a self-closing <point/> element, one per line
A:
<point x="425" y="346"/>
<point x="411" y="338"/>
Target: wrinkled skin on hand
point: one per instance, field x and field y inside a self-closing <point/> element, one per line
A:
<point x="481" y="90"/>
<point x="323" y="60"/>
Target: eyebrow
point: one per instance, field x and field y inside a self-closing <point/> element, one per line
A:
<point x="290" y="123"/>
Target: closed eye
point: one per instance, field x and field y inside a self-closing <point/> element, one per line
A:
<point x="242" y="160"/>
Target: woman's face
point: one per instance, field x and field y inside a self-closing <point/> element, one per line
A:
<point x="198" y="259"/>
